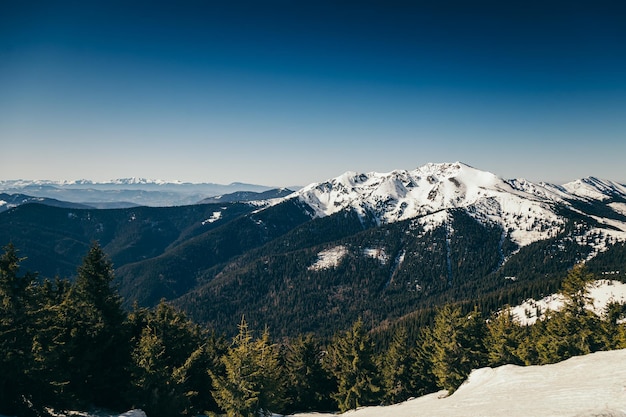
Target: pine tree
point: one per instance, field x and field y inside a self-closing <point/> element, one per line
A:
<point x="17" y="327"/>
<point x="169" y="363"/>
<point x="423" y="381"/>
<point x="457" y="346"/>
<point x="95" y="343"/>
<point x="249" y="385"/>
<point x="503" y="339"/>
<point x="351" y="361"/>
<point x="308" y="385"/>
<point x="395" y="369"/>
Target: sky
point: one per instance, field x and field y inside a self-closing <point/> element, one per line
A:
<point x="288" y="93"/>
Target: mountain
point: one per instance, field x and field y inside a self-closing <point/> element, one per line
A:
<point x="8" y="201"/>
<point x="240" y="196"/>
<point x="527" y="212"/>
<point x="379" y="246"/>
<point x="126" y="192"/>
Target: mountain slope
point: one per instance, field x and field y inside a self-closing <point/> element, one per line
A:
<point x="527" y="212"/>
<point x="8" y="201"/>
<point x="375" y="246"/>
<point x="240" y="196"/>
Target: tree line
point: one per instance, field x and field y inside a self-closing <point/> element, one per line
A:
<point x="70" y="345"/>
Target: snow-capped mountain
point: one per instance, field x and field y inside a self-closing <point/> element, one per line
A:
<point x="128" y="191"/>
<point x="526" y="211"/>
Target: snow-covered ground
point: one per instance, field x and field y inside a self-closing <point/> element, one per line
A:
<point x="602" y="292"/>
<point x="585" y="386"/>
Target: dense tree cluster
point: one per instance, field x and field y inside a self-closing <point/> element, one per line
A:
<point x="71" y="345"/>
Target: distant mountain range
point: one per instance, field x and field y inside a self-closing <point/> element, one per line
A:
<point x="127" y="192"/>
<point x="379" y="246"/>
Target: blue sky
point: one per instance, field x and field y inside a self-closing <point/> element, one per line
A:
<point x="293" y="92"/>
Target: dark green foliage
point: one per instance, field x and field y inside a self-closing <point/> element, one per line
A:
<point x="169" y="363"/>
<point x="17" y="322"/>
<point x="395" y="369"/>
<point x="249" y="385"/>
<point x="423" y="380"/>
<point x="575" y="330"/>
<point x="94" y="337"/>
<point x="502" y="339"/>
<point x="308" y="384"/>
<point x="457" y="346"/>
<point x="350" y="359"/>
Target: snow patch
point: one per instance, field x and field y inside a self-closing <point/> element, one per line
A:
<point x="602" y="292"/>
<point x="329" y="258"/>
<point x="214" y="217"/>
<point x="377" y="253"/>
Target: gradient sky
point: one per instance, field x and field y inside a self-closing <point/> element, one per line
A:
<point x="293" y="92"/>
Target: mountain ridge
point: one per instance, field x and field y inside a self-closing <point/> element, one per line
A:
<point x="401" y="195"/>
<point x="375" y="246"/>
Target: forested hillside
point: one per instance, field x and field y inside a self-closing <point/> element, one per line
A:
<point x="71" y="345"/>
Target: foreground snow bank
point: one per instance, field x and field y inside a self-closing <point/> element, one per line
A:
<point x="585" y="386"/>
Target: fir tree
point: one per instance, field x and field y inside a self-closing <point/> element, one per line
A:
<point x="503" y="339"/>
<point x="95" y="341"/>
<point x="308" y="385"/>
<point x="250" y="383"/>
<point x="17" y="306"/>
<point x="395" y="369"/>
<point x="457" y="346"/>
<point x="351" y="361"/>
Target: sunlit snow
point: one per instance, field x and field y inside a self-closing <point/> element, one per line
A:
<point x="329" y="258"/>
<point x="526" y="211"/>
<point x="214" y="217"/>
<point x="377" y="253"/>
<point x="602" y="292"/>
<point x="585" y="386"/>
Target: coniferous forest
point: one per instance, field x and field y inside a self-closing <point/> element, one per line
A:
<point x="67" y="345"/>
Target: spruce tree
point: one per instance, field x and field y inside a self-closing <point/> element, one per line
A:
<point x="249" y="384"/>
<point x="457" y="346"/>
<point x="503" y="339"/>
<point x="423" y="381"/>
<point x="17" y="327"/>
<point x="95" y="341"/>
<point x="169" y="364"/>
<point x="351" y="361"/>
<point x="395" y="369"/>
<point x="574" y="330"/>
<point x="308" y="385"/>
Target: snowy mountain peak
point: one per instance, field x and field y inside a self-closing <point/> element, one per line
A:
<point x="525" y="210"/>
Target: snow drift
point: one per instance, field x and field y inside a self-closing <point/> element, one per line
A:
<point x="584" y="386"/>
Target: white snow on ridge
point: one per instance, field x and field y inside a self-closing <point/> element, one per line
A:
<point x="584" y="386"/>
<point x="526" y="211"/>
<point x="594" y="188"/>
